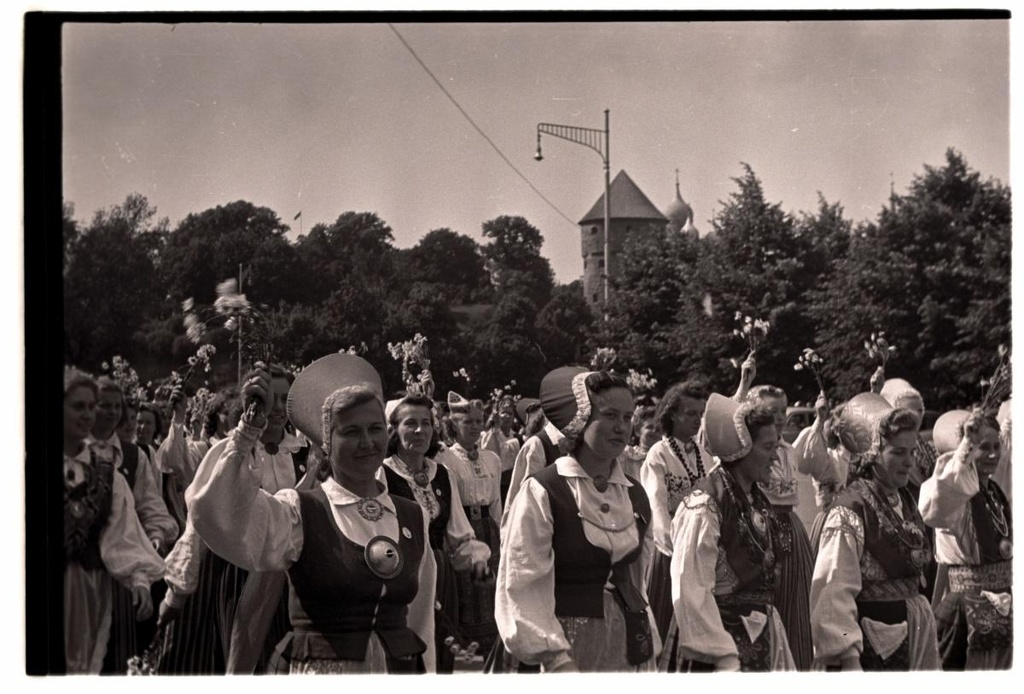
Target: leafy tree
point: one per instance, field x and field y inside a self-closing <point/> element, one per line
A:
<point x="934" y="274"/>
<point x="207" y="248"/>
<point x="452" y="263"/>
<point x="110" y="286"/>
<point x="514" y="261"/>
<point x="564" y="325"/>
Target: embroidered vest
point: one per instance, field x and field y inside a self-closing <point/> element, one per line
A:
<point x="882" y="540"/>
<point x="86" y="509"/>
<point x="442" y="487"/>
<point x="985" y="531"/>
<point x="335" y="601"/>
<point x="581" y="569"/>
<point x="744" y="556"/>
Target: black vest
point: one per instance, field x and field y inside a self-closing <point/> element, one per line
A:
<point x="442" y="487"/>
<point x="985" y="528"/>
<point x="551" y="452"/>
<point x="335" y="601"/>
<point x="744" y="556"/>
<point x="129" y="462"/>
<point x="581" y="569"/>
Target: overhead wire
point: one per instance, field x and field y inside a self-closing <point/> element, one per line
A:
<point x="477" y="127"/>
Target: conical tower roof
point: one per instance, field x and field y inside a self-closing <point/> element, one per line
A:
<point x="627" y="202"/>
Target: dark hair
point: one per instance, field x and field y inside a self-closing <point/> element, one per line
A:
<point x="413" y="401"/>
<point x="600" y="381"/>
<point x="640" y="415"/>
<point x="535" y="421"/>
<point x="673" y="400"/>
<point x="986" y="418"/>
<point x="127" y="404"/>
<point x="758" y="418"/>
<point x="227" y="400"/>
<point x="158" y="418"/>
<point x="892" y="424"/>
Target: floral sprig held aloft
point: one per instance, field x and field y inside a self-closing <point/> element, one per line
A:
<point x="412" y="354"/>
<point x="753" y="331"/>
<point x="125" y="376"/>
<point x="998" y="387"/>
<point x="811" y="361"/>
<point x="604" y="359"/>
<point x="641" y="383"/>
<point x="878" y="348"/>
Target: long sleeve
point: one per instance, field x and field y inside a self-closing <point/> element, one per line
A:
<point x="182" y="564"/>
<point x="494" y="508"/>
<point x="652" y="477"/>
<point x="696" y="529"/>
<point x="466" y="549"/>
<point x="237" y="519"/>
<point x="524" y="603"/>
<point x="811" y="452"/>
<point x="178" y="455"/>
<point x="160" y="526"/>
<point x="944" y="496"/>
<point x="835" y="585"/>
<point x="529" y="460"/>
<point x="124" y="547"/>
<point x="421" y="609"/>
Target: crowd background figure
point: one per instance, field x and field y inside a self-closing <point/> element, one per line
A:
<point x="592" y="528"/>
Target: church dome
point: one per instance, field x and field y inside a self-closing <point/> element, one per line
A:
<point x="679" y="213"/>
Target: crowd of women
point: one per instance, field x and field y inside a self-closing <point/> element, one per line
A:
<point x="310" y="524"/>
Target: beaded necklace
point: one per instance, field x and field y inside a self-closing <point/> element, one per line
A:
<point x="682" y="459"/>
<point x="755" y="522"/>
<point x="906" y="530"/>
<point x="995" y="510"/>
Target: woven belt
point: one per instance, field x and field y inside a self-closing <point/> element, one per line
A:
<point x="749" y="597"/>
<point x="477" y="512"/>
<point x="969" y="579"/>
<point x="896" y="589"/>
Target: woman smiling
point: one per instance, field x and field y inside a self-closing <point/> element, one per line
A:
<point x="577" y="535"/>
<point x="360" y="573"/>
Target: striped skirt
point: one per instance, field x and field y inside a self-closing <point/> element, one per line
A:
<point x="192" y="645"/>
<point x="122" y="643"/>
<point x="476" y="600"/>
<point x="659" y="593"/>
<point x="792" y="598"/>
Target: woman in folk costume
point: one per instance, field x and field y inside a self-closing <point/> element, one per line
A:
<point x="646" y="433"/>
<point x="672" y="466"/>
<point x="161" y="529"/>
<point x="973" y="541"/>
<point x="477" y="474"/>
<point x="232" y="618"/>
<point x="725" y="553"/>
<point x="103" y="538"/>
<point x="867" y="610"/>
<point x="821" y="454"/>
<point x="898" y="393"/>
<point x="541" y="448"/>
<point x="411" y="472"/>
<point x="796" y="559"/>
<point x="571" y="595"/>
<point x="500" y="438"/>
<point x="360" y="571"/>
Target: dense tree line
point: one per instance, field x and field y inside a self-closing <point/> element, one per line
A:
<point x="932" y="271"/>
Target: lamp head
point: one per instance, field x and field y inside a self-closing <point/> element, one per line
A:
<point x="538" y="156"/>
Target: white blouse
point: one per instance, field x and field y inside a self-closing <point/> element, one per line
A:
<point x="524" y="604"/>
<point x="505" y="447"/>
<point x="944" y="503"/>
<point x="260" y="531"/>
<point x="479" y="481"/>
<point x="666" y="482"/>
<point x="827" y="467"/>
<point x="156" y="520"/>
<point x="466" y="550"/>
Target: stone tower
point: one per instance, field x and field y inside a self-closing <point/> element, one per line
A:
<point x="630" y="211"/>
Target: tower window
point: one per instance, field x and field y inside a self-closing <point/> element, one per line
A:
<point x="593" y="230"/>
<point x="600" y="263"/>
<point x="596" y="297"/>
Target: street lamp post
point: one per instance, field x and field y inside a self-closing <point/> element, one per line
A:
<point x="596" y="140"/>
